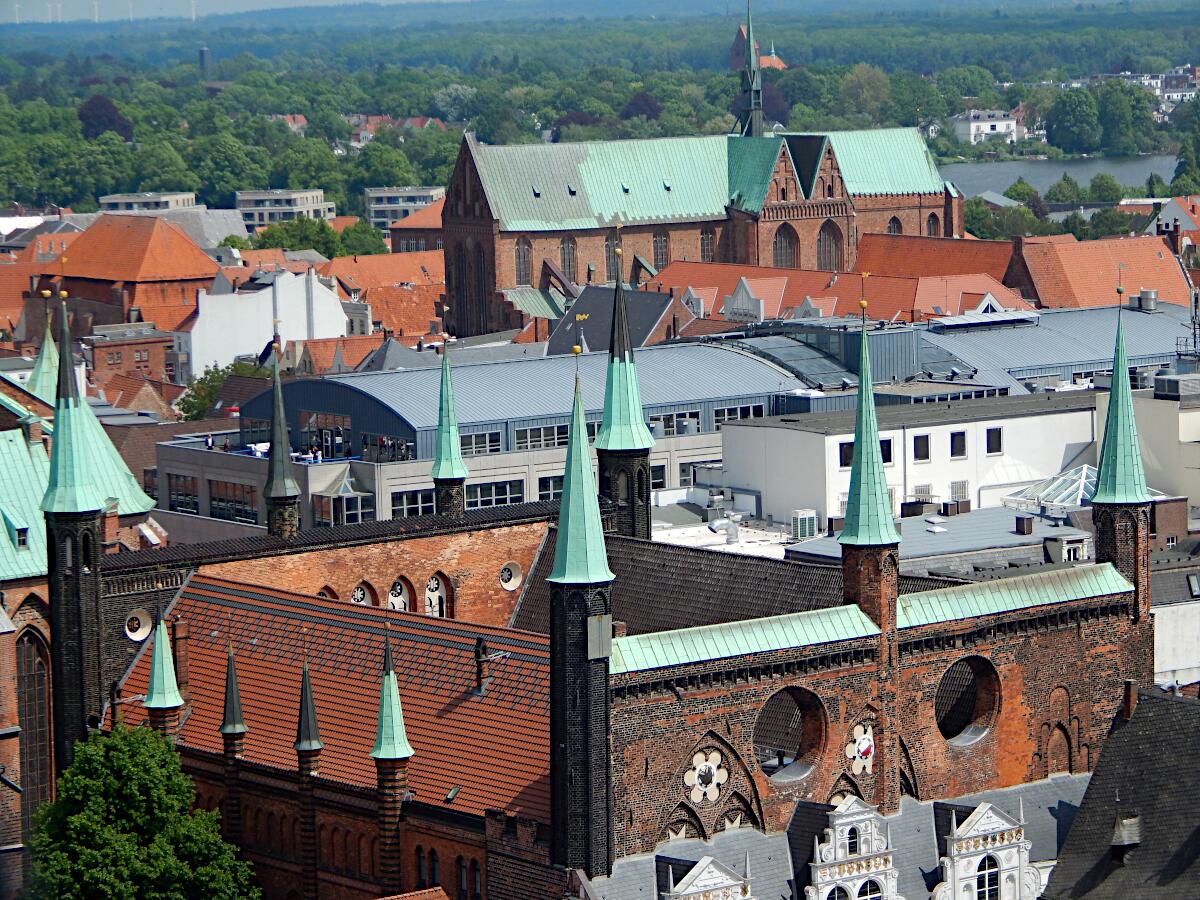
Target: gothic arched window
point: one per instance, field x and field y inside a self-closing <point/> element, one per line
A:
<point x="523" y="255"/>
<point x="421" y="882"/>
<point x="894" y="226"/>
<point x="33" y="715"/>
<point x="987" y="881"/>
<point x="566" y="257"/>
<point x="852" y="841"/>
<point x="708" y="244"/>
<point x="829" y="247"/>
<point x="785" y="248"/>
<point x="435" y="876"/>
<point x="662" y="250"/>
<point x="932" y="226"/>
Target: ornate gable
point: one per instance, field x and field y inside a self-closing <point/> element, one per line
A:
<point x="986" y="820"/>
<point x="710" y="879"/>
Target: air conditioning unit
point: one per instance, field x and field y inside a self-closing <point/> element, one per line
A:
<point x="804" y="524"/>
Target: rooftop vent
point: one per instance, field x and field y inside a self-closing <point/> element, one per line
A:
<point x="571" y="190"/>
<point x="536" y="191"/>
<point x="1024" y="525"/>
<point x="624" y="188"/>
<point x="666" y="185"/>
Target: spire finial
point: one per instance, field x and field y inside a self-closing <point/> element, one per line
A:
<point x="281" y="480"/>
<point x="579" y="552"/>
<point x="163" y="690"/>
<point x="1120" y="476"/>
<point x="623" y="425"/>
<point x="868" y="519"/>
<point x="391" y="738"/>
<point x="308" y="732"/>
<point x="232" y="722"/>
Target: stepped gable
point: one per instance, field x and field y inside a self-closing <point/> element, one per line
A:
<point x="661" y="587"/>
<point x="435" y="668"/>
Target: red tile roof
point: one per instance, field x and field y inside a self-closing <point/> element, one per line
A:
<point x="14" y="281"/>
<point x="322" y="352"/>
<point x="953" y="295"/>
<point x="134" y="249"/>
<point x="341" y="223"/>
<point x="47" y="245"/>
<point x="408" y="311"/>
<point x="1086" y="273"/>
<point x="913" y="256"/>
<point x="445" y="717"/>
<point x="426" y="217"/>
<point x="266" y="259"/>
<point x="386" y="270"/>
<point x="424" y="894"/>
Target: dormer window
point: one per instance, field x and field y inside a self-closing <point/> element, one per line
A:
<point x="22" y="538"/>
<point x="852" y="841"/>
<point x="571" y="190"/>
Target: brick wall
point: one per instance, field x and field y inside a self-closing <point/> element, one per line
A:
<point x="124" y="357"/>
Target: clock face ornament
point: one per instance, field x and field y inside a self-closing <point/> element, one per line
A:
<point x="359" y="595"/>
<point x="861" y="749"/>
<point x="398" y="596"/>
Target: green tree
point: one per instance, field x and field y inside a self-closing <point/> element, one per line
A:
<point x="1065" y="190"/>
<point x="1104" y="188"/>
<point x="301" y="234"/>
<point x="236" y="242"/>
<point x="360" y="239"/>
<point x="865" y="90"/>
<point x="224" y="166"/>
<point x="310" y="164"/>
<point x="157" y="166"/>
<point x="328" y="126"/>
<point x="1073" y="122"/>
<point x="122" y="826"/>
<point x="202" y="391"/>
<point x="1156" y="186"/>
<point x="1021" y="191"/>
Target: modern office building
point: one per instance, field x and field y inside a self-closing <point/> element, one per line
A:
<point x="386" y="205"/>
<point x="148" y="200"/>
<point x="262" y="208"/>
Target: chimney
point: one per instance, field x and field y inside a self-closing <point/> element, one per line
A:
<point x="33" y="430"/>
<point x="112" y="526"/>
<point x="620" y="629"/>
<point x="483" y="666"/>
<point x="1129" y="699"/>
<point x="1024" y="524"/>
<point x="180" y="632"/>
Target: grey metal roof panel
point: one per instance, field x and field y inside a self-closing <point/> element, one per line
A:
<point x="392" y="354"/>
<point x="519" y="389"/>
<point x="813" y="366"/>
<point x="643" y="308"/>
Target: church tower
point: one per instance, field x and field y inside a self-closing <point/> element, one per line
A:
<point x="580" y="646"/>
<point x="449" y="470"/>
<point x="752" y="116"/>
<point x="870" y="571"/>
<point x="1121" y="504"/>
<point x="623" y="442"/>
<point x="281" y="492"/>
<point x="74" y="510"/>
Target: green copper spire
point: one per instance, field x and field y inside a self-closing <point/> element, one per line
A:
<point x="41" y="381"/>
<point x="308" y="734"/>
<point x="1120" y="477"/>
<point x="391" y="740"/>
<point x="623" y="426"/>
<point x="163" y="692"/>
<point x="70" y="488"/>
<point x="868" y="510"/>
<point x="579" y="553"/>
<point x="232" y="722"/>
<point x="281" y="482"/>
<point x="447" y="455"/>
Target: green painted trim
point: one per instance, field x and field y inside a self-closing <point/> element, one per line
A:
<point x="163" y="691"/>
<point x="448" y="461"/>
<point x="391" y="738"/>
<point x="1120" y="477"/>
<point x="869" y="519"/>
<point x="985" y="598"/>
<point x="580" y="556"/>
<point x="685" y="646"/>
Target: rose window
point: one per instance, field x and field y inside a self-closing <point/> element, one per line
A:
<point x="861" y="749"/>
<point x="398" y="596"/>
<point x="706" y="776"/>
<point x="359" y="595"/>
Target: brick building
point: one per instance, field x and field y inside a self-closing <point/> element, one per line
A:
<point x="586" y="695"/>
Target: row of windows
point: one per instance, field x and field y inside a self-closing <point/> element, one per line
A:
<point x="480" y="443"/>
<point x="987" y="884"/>
<point x="468" y="878"/>
<point x="994" y="442"/>
<point x="568" y="250"/>
<point x="437" y="599"/>
<point x="495" y="493"/>
<point x="233" y="502"/>
<point x="343" y="509"/>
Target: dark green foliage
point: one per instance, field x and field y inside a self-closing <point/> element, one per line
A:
<point x="202" y="392"/>
<point x="360" y="239"/>
<point x="99" y="114"/>
<point x="122" y="826"/>
<point x="1021" y="191"/>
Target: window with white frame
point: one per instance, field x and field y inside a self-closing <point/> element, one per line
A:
<point x="995" y="441"/>
<point x="412" y="503"/>
<point x="958" y="445"/>
<point x="885" y="450"/>
<point x="495" y="493"/>
<point x="960" y="490"/>
<point x="540" y="437"/>
<point x="921" y="448"/>
<point x="479" y="443"/>
<point x="658" y="478"/>
<point x="845" y="454"/>
<point x="675" y="423"/>
<point x="550" y="487"/>
<point x="725" y="414"/>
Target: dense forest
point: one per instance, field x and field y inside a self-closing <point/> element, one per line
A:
<point x="87" y="110"/>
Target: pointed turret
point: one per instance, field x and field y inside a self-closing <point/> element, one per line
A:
<point x="449" y="470"/>
<point x="1120" y="477"/>
<point x="752" y="122"/>
<point x="579" y="553"/>
<point x="391" y="739"/>
<point x="282" y="492"/>
<point x="70" y="488"/>
<point x="308" y="733"/>
<point x="163" y="691"/>
<point x="232" y="722"/>
<point x="868" y="509"/>
<point x="43" y="379"/>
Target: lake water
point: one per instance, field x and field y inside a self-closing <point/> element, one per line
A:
<point x="973" y="178"/>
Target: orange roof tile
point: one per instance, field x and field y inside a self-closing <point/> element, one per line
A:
<point x="266" y="259"/>
<point x="1086" y="273"/>
<point x="435" y="665"/>
<point x="15" y="279"/>
<point x="51" y="245"/>
<point x="408" y="311"/>
<point x="354" y="349"/>
<point x="770" y="61"/>
<point x="386" y="270"/>
<point x="913" y="256"/>
<point x="341" y="223"/>
<point x="424" y="894"/>
<point x="426" y="217"/>
<point x="134" y="249"/>
<point x="953" y="295"/>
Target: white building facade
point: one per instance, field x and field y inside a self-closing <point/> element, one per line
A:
<point x="987" y="858"/>
<point x="978" y="125"/>
<point x="262" y="208"/>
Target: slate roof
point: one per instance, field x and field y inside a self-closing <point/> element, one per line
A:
<point x="1151" y="762"/>
<point x="395" y="355"/>
<point x="435" y="668"/>
<point x="915" y="255"/>
<point x="662" y="587"/>
<point x="236" y="390"/>
<point x="645" y="309"/>
<point x="135" y="249"/>
<point x="1086" y="273"/>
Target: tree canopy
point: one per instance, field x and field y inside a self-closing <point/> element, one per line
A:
<point x="122" y="826"/>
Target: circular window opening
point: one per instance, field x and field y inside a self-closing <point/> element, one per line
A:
<point x="511" y="576"/>
<point x="789" y="734"/>
<point x="400" y="596"/>
<point x="967" y="699"/>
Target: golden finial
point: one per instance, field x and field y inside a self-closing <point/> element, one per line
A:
<point x="576" y="349"/>
<point x="617" y="251"/>
<point x="46" y="294"/>
<point x="863" y="304"/>
<point x="62" y="295"/>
